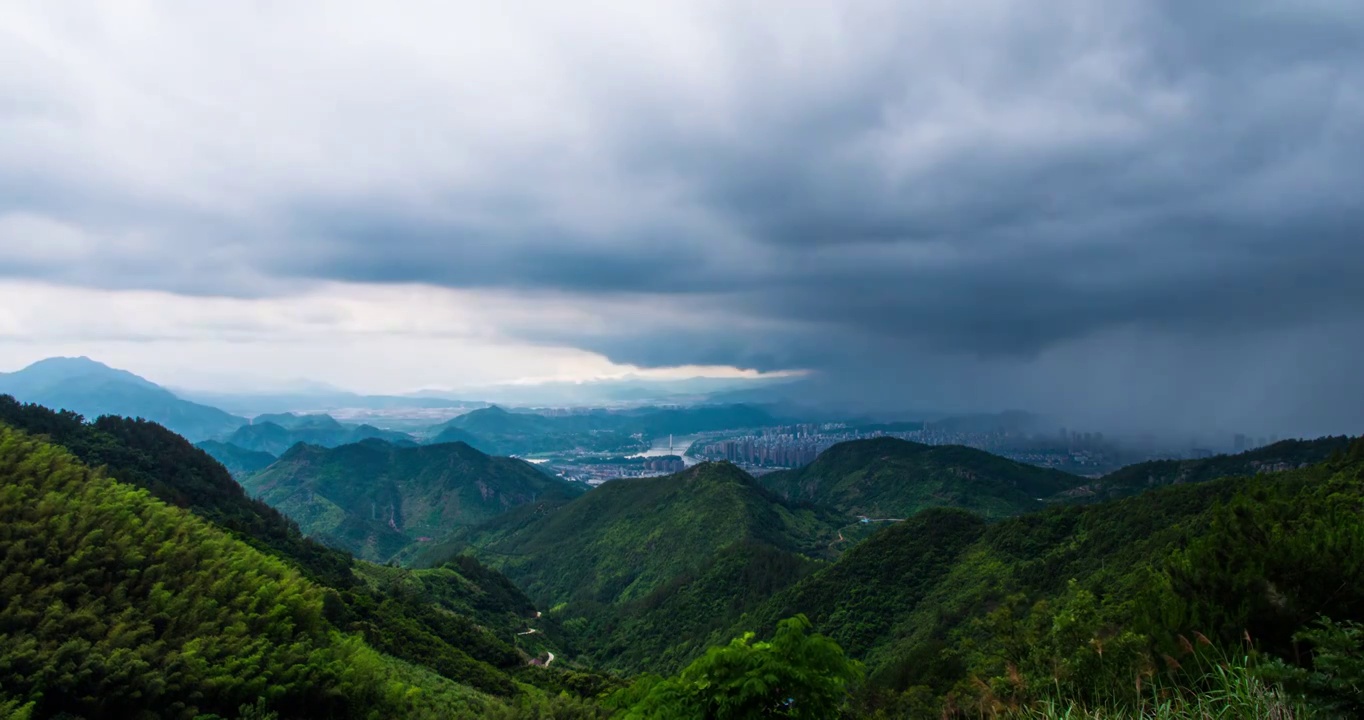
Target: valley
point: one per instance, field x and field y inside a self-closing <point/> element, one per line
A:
<point x="955" y="578"/>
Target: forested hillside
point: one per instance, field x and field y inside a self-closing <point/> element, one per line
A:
<point x="377" y="500"/>
<point x="149" y="456"/>
<point x="637" y="568"/>
<point x="1077" y="603"/>
<point x="891" y="478"/>
<point x="119" y="605"/>
<point x="458" y="621"/>
<point x="1133" y="479"/>
<point x="240" y="462"/>
<point x="1236" y="588"/>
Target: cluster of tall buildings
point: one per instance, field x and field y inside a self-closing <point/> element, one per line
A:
<point x="665" y="465"/>
<point x="763" y="452"/>
<point x="797" y="445"/>
<point x="598" y="473"/>
<point x="786" y="446"/>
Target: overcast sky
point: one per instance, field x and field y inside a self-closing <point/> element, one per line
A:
<point x="1136" y="210"/>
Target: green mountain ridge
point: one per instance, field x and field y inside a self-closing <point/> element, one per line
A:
<point x="891" y="478"/>
<point x="1134" y="479"/>
<point x="295" y="421"/>
<point x="948" y="611"/>
<point x="145" y="608"/>
<point x="149" y="456"/>
<point x="376" y="499"/>
<point x="239" y="461"/>
<point x="320" y="430"/>
<point x="650" y="554"/>
<point x="188" y="596"/>
<point x="445" y="630"/>
<point x="627" y="537"/>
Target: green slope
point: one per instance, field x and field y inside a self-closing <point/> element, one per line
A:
<point x="238" y="460"/>
<point x="451" y="434"/>
<point x="1079" y="600"/>
<point x="856" y="600"/>
<point x="639" y="566"/>
<point x="892" y="478"/>
<point x="149" y="456"/>
<point x="118" y="605"/>
<point x="474" y="643"/>
<point x="376" y="500"/>
<point x="1133" y="479"/>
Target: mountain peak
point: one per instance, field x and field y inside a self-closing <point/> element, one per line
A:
<point x="716" y="470"/>
<point x="883" y="444"/>
<point x="54" y="370"/>
<point x="892" y="478"/>
<point x="92" y="389"/>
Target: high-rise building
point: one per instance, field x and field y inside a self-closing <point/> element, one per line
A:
<point x="1239" y="442"/>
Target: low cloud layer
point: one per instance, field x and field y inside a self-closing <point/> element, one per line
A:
<point x="1136" y="211"/>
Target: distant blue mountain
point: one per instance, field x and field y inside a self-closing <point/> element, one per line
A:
<point x="93" y="389"/>
<point x="277" y="433"/>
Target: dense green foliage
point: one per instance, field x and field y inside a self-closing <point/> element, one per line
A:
<point x="117" y="604"/>
<point x="376" y="499"/>
<point x="891" y="478"/>
<point x="239" y="461"/>
<point x="643" y="570"/>
<point x="149" y="456"/>
<point x="628" y="537"/>
<point x="1225" y="687"/>
<point x="1233" y="595"/>
<point x="89" y="388"/>
<point x="1133" y="479"/>
<point x="1082" y="603"/>
<point x="423" y="625"/>
<point x="794" y="675"/>
<point x="856" y="600"/>
<point x="1335" y="675"/>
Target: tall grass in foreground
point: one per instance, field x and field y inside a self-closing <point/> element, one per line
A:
<point x="1228" y="689"/>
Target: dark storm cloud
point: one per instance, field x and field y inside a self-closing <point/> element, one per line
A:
<point x="988" y="191"/>
<point x="1211" y="188"/>
<point x="382" y="247"/>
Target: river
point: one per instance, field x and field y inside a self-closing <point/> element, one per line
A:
<point x="680" y="445"/>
